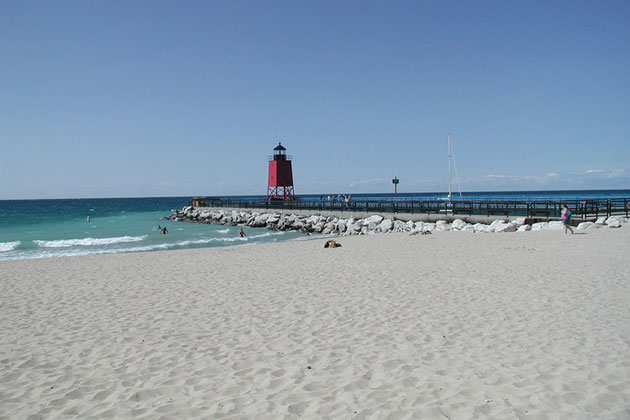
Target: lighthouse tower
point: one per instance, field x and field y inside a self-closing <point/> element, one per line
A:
<point x="280" y="181"/>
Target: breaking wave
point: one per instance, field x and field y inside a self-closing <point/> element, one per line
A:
<point x="65" y="243"/>
<point x="9" y="246"/>
<point x="210" y="240"/>
<point x="125" y="244"/>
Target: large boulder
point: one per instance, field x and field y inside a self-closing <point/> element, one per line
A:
<point x="614" y="222"/>
<point x="418" y="226"/>
<point x="385" y="226"/>
<point x="370" y="226"/>
<point x="555" y="225"/>
<point x="519" y="221"/>
<point x="318" y="228"/>
<point x="539" y="226"/>
<point x="588" y="225"/>
<point x="524" y="228"/>
<point x="315" y="219"/>
<point x="601" y="220"/>
<point x="399" y="226"/>
<point x="493" y="226"/>
<point x="480" y="227"/>
<point x="273" y="219"/>
<point x="260" y="220"/>
<point x="428" y="227"/>
<point x="505" y="227"/>
<point x="442" y="226"/>
<point x="353" y="227"/>
<point x="468" y="228"/>
<point x="458" y="224"/>
<point x="374" y="219"/>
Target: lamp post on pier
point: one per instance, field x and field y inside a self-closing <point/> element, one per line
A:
<point x="395" y="181"/>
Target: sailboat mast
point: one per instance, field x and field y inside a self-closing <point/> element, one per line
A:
<point x="449" y="166"/>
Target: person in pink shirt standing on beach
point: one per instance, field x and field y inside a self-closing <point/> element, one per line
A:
<point x="566" y="218"/>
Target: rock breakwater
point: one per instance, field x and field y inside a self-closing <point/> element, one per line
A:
<point x="332" y="225"/>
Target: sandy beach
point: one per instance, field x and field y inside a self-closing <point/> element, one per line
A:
<point x="452" y="325"/>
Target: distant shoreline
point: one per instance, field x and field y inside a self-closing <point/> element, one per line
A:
<point x="571" y="192"/>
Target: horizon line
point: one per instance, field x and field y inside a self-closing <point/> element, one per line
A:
<point x="321" y="194"/>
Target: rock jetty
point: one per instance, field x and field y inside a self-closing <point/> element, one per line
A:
<point x="331" y="225"/>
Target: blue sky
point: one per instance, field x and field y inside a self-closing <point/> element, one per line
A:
<point x="162" y="98"/>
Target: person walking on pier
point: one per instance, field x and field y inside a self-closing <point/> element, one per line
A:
<point x="566" y="218"/>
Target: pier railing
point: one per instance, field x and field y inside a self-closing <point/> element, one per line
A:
<point x="545" y="209"/>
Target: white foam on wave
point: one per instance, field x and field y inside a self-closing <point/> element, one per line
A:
<point x="222" y="231"/>
<point x="268" y="234"/>
<point x="50" y="253"/>
<point x="9" y="246"/>
<point x="199" y="242"/>
<point x="63" y="248"/>
<point x="77" y="252"/>
<point x="65" y="243"/>
<point x="231" y="239"/>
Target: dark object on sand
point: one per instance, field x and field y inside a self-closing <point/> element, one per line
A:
<point x="332" y="244"/>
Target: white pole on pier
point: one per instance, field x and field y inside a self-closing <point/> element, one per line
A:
<point x="449" y="166"/>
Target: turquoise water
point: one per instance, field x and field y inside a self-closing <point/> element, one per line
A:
<point x="56" y="228"/>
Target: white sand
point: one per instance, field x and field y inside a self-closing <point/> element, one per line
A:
<point x="452" y="325"/>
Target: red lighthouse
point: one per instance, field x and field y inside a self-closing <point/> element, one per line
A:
<point x="280" y="181"/>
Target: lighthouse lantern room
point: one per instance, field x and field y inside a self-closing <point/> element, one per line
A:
<point x="280" y="180"/>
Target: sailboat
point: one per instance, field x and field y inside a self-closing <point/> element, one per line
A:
<point x="451" y="166"/>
